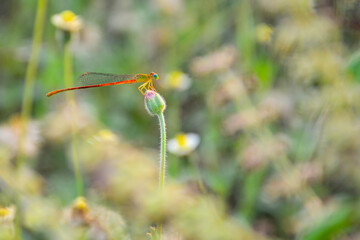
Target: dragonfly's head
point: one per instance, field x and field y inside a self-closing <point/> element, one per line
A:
<point x="154" y="76"/>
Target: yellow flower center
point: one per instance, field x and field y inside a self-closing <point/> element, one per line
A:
<point x="80" y="204"/>
<point x="175" y="78"/>
<point x="181" y="139"/>
<point x="4" y="212"/>
<point x="67" y="16"/>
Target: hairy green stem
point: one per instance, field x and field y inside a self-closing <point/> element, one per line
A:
<point x="68" y="81"/>
<point x="162" y="151"/>
<point x="155" y="106"/>
<point x="162" y="161"/>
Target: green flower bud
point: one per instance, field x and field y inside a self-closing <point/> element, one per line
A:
<point x="154" y="103"/>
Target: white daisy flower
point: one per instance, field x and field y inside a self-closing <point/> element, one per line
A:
<point x="177" y="80"/>
<point x="183" y="144"/>
<point x="67" y="21"/>
<point x="7" y="214"/>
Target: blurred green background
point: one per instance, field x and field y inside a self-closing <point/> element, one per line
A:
<point x="269" y="88"/>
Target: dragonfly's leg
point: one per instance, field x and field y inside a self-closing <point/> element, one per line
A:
<point x="152" y="86"/>
<point x="141" y="90"/>
<point x="142" y="86"/>
<point x="147" y="85"/>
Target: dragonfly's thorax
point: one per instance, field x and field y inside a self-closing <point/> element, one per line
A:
<point x="142" y="77"/>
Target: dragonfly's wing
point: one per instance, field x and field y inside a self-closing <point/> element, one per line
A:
<point x="93" y="78"/>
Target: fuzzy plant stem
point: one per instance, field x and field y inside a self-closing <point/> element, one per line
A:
<point x="162" y="151"/>
<point x="162" y="161"/>
<point x="68" y="80"/>
<point x="155" y="105"/>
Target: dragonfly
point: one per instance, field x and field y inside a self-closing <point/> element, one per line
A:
<point x="94" y="79"/>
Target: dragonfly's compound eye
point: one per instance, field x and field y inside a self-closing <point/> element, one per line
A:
<point x="155" y="76"/>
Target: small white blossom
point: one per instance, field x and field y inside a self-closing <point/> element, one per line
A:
<point x="67" y="21"/>
<point x="177" y="80"/>
<point x="183" y="144"/>
<point x="7" y="214"/>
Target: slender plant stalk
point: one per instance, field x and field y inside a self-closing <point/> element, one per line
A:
<point x="26" y="107"/>
<point x="162" y="151"/>
<point x="31" y="72"/>
<point x="68" y="81"/>
<point x="193" y="159"/>
<point x="155" y="105"/>
<point x="68" y="69"/>
<point x="162" y="161"/>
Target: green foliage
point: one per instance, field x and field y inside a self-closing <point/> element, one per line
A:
<point x="271" y="89"/>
